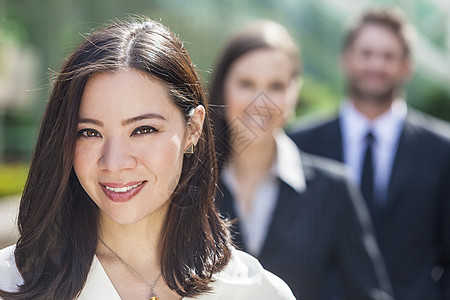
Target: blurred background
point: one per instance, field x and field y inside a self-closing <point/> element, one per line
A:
<point x="35" y="36"/>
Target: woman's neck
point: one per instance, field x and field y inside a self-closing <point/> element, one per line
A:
<point x="256" y="160"/>
<point x="138" y="243"/>
<point x="250" y="168"/>
<point x="131" y="256"/>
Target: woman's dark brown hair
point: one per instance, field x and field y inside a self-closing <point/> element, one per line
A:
<point x="256" y="36"/>
<point x="58" y="222"/>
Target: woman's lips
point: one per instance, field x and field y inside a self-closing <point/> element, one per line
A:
<point x="122" y="192"/>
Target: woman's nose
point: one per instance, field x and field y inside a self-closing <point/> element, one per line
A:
<point x="117" y="156"/>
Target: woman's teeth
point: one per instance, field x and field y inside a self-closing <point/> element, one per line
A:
<point x="123" y="189"/>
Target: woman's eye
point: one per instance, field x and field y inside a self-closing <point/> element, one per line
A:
<point x="144" y="130"/>
<point x="88" y="133"/>
<point x="278" y="86"/>
<point x="245" y="84"/>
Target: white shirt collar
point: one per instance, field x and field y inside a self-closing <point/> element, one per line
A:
<point x="288" y="164"/>
<point x="385" y="127"/>
<point x="242" y="275"/>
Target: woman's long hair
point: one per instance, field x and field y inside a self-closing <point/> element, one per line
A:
<point x="58" y="222"/>
<point x="260" y="35"/>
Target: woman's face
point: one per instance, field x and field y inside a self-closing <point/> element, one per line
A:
<point x="260" y="91"/>
<point x="130" y="144"/>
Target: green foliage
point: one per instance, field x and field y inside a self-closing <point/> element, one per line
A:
<point x="316" y="96"/>
<point x="12" y="179"/>
<point x="18" y="131"/>
<point x="438" y="104"/>
<point x="12" y="23"/>
<point x="428" y="96"/>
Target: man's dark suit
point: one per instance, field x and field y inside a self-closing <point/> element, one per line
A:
<point x="326" y="225"/>
<point x="413" y="227"/>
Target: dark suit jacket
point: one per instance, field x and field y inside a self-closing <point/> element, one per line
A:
<point x="323" y="227"/>
<point x="413" y="227"/>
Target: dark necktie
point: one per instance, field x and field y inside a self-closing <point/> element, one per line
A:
<point x="367" y="170"/>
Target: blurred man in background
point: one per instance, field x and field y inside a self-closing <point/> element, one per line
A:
<point x="399" y="156"/>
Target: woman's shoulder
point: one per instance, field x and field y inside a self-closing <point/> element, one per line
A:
<point x="10" y="277"/>
<point x="245" y="278"/>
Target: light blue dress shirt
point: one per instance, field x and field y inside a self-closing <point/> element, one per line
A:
<point x="386" y="129"/>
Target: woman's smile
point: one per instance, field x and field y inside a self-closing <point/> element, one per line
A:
<point x="122" y="192"/>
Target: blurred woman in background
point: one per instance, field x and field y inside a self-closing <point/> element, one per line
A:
<point x="295" y="212"/>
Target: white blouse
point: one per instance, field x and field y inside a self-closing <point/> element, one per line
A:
<point x="242" y="278"/>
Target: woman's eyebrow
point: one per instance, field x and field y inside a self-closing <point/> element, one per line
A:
<point x="142" y="117"/>
<point x="124" y="122"/>
<point x="90" y="121"/>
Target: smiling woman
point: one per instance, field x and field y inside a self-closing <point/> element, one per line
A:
<point x="119" y="202"/>
<point x="134" y="137"/>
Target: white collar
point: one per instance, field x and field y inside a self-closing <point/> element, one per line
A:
<point x="98" y="285"/>
<point x="242" y="273"/>
<point x="287" y="165"/>
<point x="385" y="127"/>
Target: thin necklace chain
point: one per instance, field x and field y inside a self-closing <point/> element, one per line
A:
<point x="152" y="287"/>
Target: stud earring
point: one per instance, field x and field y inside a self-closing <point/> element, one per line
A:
<point x="189" y="150"/>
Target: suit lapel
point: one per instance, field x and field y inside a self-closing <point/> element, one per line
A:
<point x="285" y="194"/>
<point x="283" y="210"/>
<point x="334" y="140"/>
<point x="267" y="249"/>
<point x="224" y="202"/>
<point x="401" y="166"/>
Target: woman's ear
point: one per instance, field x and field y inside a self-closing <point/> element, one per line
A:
<point x="195" y="125"/>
